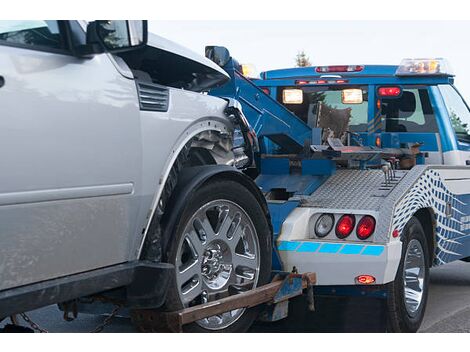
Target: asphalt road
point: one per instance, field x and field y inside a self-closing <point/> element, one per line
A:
<point x="448" y="310"/>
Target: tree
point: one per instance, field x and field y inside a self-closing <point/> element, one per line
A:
<point x="302" y="60"/>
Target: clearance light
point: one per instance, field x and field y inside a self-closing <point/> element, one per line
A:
<point x="412" y="67"/>
<point x="266" y="91"/>
<point x="249" y="71"/>
<point x="339" y="68"/>
<point x="365" y="280"/>
<point x="351" y="96"/>
<point x="345" y="226"/>
<point x="389" y="91"/>
<point x="292" y="96"/>
<point x="322" y="81"/>
<point x="365" y="227"/>
<point x="395" y="233"/>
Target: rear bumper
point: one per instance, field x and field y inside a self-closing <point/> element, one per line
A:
<point x="339" y="263"/>
<point x="146" y="285"/>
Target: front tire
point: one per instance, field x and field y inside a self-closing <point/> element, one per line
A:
<point x="221" y="245"/>
<point x="408" y="293"/>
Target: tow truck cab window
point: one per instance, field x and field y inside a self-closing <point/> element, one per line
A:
<point x="412" y="112"/>
<point x="40" y="35"/>
<point x="458" y="111"/>
<point x="316" y="98"/>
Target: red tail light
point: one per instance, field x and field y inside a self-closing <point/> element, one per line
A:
<point x="339" y="68"/>
<point x="365" y="227"/>
<point x="389" y="91"/>
<point x="365" y="279"/>
<point x="266" y="91"/>
<point x="345" y="226"/>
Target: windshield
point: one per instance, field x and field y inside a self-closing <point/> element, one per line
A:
<point x="318" y="99"/>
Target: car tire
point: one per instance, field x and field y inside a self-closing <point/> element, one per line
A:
<point x="213" y="259"/>
<point x="407" y="294"/>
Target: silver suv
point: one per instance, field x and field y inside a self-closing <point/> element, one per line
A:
<point x="119" y="175"/>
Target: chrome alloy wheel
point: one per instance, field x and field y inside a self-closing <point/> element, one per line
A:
<point x="413" y="277"/>
<point x="219" y="252"/>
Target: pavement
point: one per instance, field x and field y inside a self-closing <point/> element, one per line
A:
<point x="448" y="310"/>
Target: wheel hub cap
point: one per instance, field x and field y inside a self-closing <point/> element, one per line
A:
<point x="413" y="277"/>
<point x="219" y="251"/>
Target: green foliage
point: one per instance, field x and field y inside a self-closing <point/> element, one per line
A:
<point x="302" y="60"/>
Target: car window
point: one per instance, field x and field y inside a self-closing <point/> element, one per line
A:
<point x="40" y="34"/>
<point x="412" y="112"/>
<point x="329" y="98"/>
<point x="458" y="112"/>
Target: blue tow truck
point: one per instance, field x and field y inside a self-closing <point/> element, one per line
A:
<point x="366" y="173"/>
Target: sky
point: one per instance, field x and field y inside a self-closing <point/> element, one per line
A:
<point x="274" y="44"/>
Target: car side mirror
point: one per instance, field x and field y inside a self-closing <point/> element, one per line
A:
<point x="114" y="37"/>
<point x="218" y="54"/>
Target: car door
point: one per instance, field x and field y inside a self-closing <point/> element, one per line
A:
<point x="70" y="157"/>
<point x="458" y="131"/>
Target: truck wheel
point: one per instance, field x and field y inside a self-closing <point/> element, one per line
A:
<point x="221" y="246"/>
<point x="408" y="294"/>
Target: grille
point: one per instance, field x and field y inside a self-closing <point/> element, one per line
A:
<point x="153" y="97"/>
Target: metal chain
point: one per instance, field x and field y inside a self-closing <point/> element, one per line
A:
<point x="99" y="328"/>
<point x="31" y="323"/>
<point x="107" y="320"/>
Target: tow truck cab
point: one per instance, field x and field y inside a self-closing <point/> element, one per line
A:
<point x="392" y="106"/>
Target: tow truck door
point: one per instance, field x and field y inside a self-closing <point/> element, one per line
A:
<point x="455" y="128"/>
<point x="70" y="155"/>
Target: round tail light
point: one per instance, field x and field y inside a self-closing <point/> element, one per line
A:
<point x="324" y="225"/>
<point x="365" y="227"/>
<point x="345" y="226"/>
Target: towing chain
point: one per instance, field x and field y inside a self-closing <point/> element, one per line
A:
<point x="31" y="323"/>
<point x="107" y="320"/>
<point x="99" y="328"/>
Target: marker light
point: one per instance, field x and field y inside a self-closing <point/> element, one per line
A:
<point x="389" y="91"/>
<point x="365" y="280"/>
<point x="292" y="96"/>
<point x="249" y="71"/>
<point x="322" y="81"/>
<point x="351" y="96"/>
<point x="345" y="226"/>
<point x="324" y="225"/>
<point x="339" y="68"/>
<point x="266" y="90"/>
<point x="411" y="67"/>
<point x="365" y="227"/>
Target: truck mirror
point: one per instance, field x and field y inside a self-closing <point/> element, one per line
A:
<point x="218" y="54"/>
<point x="117" y="36"/>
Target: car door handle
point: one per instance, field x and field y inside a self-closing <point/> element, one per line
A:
<point x="2" y="81"/>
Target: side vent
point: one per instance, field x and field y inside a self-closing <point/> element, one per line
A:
<point x="153" y="97"/>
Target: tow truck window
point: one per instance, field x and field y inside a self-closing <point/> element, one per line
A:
<point x="32" y="34"/>
<point x="331" y="98"/>
<point x="458" y="112"/>
<point x="412" y="112"/>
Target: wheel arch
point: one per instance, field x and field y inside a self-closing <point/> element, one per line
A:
<point x="215" y="130"/>
<point x="427" y="219"/>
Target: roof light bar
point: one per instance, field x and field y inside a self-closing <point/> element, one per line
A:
<point x="424" y="67"/>
<point x="339" y="68"/>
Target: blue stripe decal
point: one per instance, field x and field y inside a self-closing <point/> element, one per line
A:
<point x="352" y="249"/>
<point x="373" y="250"/>
<point x="288" y="246"/>
<point x="309" y="247"/>
<point x="330" y="248"/>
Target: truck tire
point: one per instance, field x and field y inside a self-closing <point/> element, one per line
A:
<point x="221" y="245"/>
<point x="408" y="294"/>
